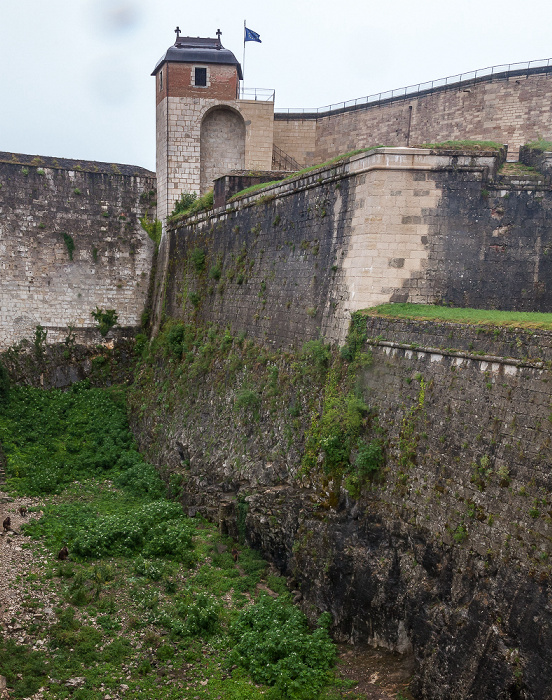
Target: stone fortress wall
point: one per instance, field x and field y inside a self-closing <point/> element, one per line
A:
<point x="97" y="206"/>
<point x="393" y="224"/>
<point x="512" y="107"/>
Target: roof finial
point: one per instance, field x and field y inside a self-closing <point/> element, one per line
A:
<point x="177" y="32"/>
<point x="219" y="34"/>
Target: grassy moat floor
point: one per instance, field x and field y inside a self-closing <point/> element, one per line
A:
<point x="150" y="603"/>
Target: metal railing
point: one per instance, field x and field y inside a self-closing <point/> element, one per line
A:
<point x="283" y="161"/>
<point x="505" y="70"/>
<point x="261" y="94"/>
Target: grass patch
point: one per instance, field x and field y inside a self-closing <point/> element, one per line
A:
<point x="465" y="145"/>
<point x="190" y="204"/>
<point x="513" y="169"/>
<point x="540" y="145"/>
<point x="303" y="171"/>
<point x="516" y="319"/>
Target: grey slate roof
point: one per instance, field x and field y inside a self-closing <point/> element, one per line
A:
<point x="189" y="49"/>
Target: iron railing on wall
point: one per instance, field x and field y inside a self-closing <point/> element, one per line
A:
<point x="260" y="94"/>
<point x="504" y="70"/>
<point x="282" y="160"/>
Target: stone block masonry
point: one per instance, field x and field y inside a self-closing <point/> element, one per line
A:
<point x="388" y="225"/>
<point x="508" y="108"/>
<point x="445" y="554"/>
<point x="70" y="240"/>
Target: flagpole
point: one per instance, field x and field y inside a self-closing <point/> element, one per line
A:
<point x="243" y="62"/>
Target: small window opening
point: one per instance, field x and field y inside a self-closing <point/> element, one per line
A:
<point x="200" y="79"/>
<point x="160" y="81"/>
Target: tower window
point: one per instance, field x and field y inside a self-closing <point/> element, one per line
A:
<point x="160" y="81"/>
<point x="200" y="77"/>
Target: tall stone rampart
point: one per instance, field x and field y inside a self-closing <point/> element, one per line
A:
<point x="411" y="225"/>
<point x="445" y="553"/>
<point x="71" y="241"/>
<point x="510" y="108"/>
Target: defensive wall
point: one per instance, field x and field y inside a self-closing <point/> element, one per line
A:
<point x="445" y="555"/>
<point x="393" y="224"/>
<point x="510" y="106"/>
<point x="71" y="241"/>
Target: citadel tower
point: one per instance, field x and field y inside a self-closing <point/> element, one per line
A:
<point x="205" y="126"/>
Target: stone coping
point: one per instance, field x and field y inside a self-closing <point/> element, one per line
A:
<point x="89" y="166"/>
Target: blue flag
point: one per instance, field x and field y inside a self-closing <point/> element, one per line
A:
<point x="250" y="35"/>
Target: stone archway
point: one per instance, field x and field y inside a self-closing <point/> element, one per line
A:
<point x="222" y="144"/>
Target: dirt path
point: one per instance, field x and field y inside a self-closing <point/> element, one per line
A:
<point x="17" y="562"/>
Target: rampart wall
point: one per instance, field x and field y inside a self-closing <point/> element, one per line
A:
<point x="97" y="207"/>
<point x="511" y="108"/>
<point x="389" y="225"/>
<point x="445" y="553"/>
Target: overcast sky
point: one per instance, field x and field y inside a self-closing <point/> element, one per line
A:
<point x="75" y="78"/>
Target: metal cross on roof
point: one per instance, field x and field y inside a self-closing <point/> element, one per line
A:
<point x="177" y="32"/>
<point x="219" y="34"/>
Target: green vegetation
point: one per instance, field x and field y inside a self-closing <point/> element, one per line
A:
<point x="517" y="319"/>
<point x="105" y="319"/>
<point x="465" y="145"/>
<point x="4" y="385"/>
<point x="254" y="188"/>
<point x="69" y="243"/>
<point x="540" y="145"/>
<point x="189" y="204"/>
<point x="197" y="258"/>
<point x="154" y="229"/>
<point x="149" y="598"/>
<point x="519" y="170"/>
<point x="303" y="171"/>
<point x="339" y="430"/>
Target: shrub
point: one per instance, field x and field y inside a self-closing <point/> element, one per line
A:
<point x="215" y="271"/>
<point x="105" y="319"/>
<point x="246" y="400"/>
<point x="202" y="616"/>
<point x="356" y="337"/>
<point x="190" y="203"/>
<point x="176" y="339"/>
<point x="273" y="643"/>
<point x="195" y="299"/>
<point x="317" y="353"/>
<point x="184" y="203"/>
<point x="369" y="458"/>
<point x="197" y="257"/>
<point x="122" y="535"/>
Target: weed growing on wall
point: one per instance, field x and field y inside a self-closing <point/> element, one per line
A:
<point x="197" y="258"/>
<point x="39" y="339"/>
<point x="189" y="204"/>
<point x="314" y="390"/>
<point x="69" y="243"/>
<point x="154" y="229"/>
<point x="105" y="319"/>
<point x="333" y="440"/>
